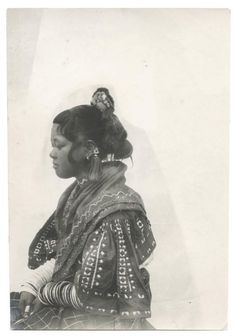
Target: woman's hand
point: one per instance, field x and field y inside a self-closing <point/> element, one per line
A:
<point x="26" y="300"/>
<point x="37" y="305"/>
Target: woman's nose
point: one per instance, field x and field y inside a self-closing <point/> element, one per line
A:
<point x="52" y="154"/>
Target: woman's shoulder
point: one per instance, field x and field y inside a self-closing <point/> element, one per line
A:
<point x="124" y="215"/>
<point x="126" y="194"/>
<point x="133" y="226"/>
<point x="133" y="219"/>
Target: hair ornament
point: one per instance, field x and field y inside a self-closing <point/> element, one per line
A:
<point x="103" y="101"/>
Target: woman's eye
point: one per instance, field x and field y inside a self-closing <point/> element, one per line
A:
<point x="58" y="146"/>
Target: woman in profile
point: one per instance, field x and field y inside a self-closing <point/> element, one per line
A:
<point x="87" y="261"/>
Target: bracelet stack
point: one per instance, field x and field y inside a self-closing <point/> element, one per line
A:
<point x="62" y="293"/>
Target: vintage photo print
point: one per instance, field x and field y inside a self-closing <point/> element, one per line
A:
<point x="118" y="126"/>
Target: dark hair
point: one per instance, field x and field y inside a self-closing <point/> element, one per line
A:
<point x="91" y="123"/>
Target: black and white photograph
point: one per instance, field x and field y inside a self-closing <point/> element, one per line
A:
<point x="118" y="159"/>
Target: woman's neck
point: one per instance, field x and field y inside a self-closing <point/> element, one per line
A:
<point x="82" y="170"/>
<point x="81" y="176"/>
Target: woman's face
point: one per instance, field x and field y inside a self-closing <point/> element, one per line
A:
<point x="60" y="150"/>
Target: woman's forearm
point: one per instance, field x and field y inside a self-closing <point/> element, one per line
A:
<point x="38" y="277"/>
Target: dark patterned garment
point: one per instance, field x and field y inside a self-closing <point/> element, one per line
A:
<point x="99" y="281"/>
<point x="54" y="318"/>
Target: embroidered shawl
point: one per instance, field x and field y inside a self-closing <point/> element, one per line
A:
<point x="65" y="238"/>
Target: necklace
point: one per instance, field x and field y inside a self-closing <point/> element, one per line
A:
<point x="81" y="181"/>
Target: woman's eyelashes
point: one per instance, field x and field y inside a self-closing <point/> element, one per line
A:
<point x="57" y="144"/>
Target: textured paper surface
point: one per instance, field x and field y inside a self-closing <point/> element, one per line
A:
<point x="168" y="71"/>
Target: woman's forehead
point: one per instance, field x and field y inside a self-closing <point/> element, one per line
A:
<point x="56" y="132"/>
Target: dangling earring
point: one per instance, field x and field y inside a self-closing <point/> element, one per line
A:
<point x="95" y="165"/>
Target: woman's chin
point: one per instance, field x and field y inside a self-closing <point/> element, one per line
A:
<point x="62" y="174"/>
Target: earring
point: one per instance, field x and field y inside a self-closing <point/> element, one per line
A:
<point x="94" y="153"/>
<point x="95" y="165"/>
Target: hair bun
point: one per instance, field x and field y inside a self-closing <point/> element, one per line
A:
<point x="114" y="139"/>
<point x="104" y="102"/>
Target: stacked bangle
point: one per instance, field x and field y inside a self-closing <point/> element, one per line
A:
<point x="62" y="293"/>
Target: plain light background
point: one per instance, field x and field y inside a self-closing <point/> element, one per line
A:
<point x="168" y="71"/>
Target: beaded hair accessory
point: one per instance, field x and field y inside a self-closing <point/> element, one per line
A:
<point x="103" y="101"/>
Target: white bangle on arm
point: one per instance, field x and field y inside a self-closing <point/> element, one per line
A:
<point x="38" y="277"/>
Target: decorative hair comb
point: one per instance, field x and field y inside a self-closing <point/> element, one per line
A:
<point x="103" y="101"/>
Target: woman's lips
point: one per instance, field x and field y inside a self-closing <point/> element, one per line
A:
<point x="55" y="165"/>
